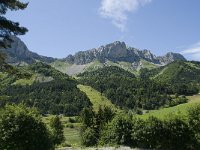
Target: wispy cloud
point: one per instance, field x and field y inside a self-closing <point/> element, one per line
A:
<point x="193" y="51"/>
<point x="117" y="10"/>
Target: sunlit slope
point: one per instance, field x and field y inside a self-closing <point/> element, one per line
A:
<point x="180" y="109"/>
<point x="96" y="98"/>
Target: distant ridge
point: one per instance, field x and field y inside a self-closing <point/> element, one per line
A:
<point x="113" y="54"/>
<point x="119" y="51"/>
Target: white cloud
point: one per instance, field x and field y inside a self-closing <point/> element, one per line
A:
<point x="193" y="52"/>
<point x="117" y="10"/>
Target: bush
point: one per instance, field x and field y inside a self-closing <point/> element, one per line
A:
<point x="89" y="137"/>
<point x="22" y="128"/>
<point x="147" y="134"/>
<point x="118" y="131"/>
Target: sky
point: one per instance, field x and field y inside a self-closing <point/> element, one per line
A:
<point x="58" y="28"/>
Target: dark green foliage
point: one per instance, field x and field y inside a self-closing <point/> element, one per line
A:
<point x="59" y="96"/>
<point x="177" y="135"/>
<point x="87" y="117"/>
<point x="57" y="130"/>
<point x="9" y="27"/>
<point x="89" y="137"/>
<point x="179" y="77"/>
<point x="124" y="90"/>
<point x="107" y="72"/>
<point x="47" y="70"/>
<point x="117" y="132"/>
<point x="55" y="97"/>
<point x="93" y="123"/>
<point x="22" y="129"/>
<point x="194" y="122"/>
<point x="147" y="134"/>
<point x="173" y="133"/>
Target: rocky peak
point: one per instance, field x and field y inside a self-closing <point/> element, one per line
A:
<point x="19" y="53"/>
<point x="118" y="51"/>
<point x="170" y="57"/>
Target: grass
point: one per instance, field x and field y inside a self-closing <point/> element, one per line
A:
<point x="96" y="98"/>
<point x="180" y="109"/>
<point x="71" y="130"/>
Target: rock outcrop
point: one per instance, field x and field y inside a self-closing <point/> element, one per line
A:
<point x="118" y="51"/>
<point x="19" y="53"/>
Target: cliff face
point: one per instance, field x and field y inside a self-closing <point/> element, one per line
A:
<point x="18" y="52"/>
<point x="118" y="51"/>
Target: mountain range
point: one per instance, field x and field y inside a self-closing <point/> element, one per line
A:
<point x="114" y="54"/>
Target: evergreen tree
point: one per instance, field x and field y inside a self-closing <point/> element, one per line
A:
<point x="8" y="27"/>
<point x="57" y="130"/>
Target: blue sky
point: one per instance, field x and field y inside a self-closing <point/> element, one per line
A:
<point x="61" y="27"/>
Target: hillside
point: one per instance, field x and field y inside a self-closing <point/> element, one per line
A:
<point x="127" y="91"/>
<point x="96" y="98"/>
<point x="176" y="72"/>
<point x="43" y="87"/>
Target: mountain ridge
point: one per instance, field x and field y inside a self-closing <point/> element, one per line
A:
<point x="116" y="53"/>
<point x="119" y="51"/>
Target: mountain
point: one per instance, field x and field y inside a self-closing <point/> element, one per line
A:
<point x="118" y="51"/>
<point x="177" y="72"/>
<point x="19" y="53"/>
<point x="114" y="54"/>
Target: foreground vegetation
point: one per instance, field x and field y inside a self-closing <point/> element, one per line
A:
<point x="175" y="132"/>
<point x="22" y="128"/>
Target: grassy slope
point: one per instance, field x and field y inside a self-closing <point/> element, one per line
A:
<point x="72" y="135"/>
<point x="180" y="109"/>
<point x="96" y="98"/>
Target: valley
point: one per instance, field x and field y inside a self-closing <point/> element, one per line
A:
<point x="95" y="94"/>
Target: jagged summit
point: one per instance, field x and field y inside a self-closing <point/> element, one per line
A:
<point x="119" y="51"/>
<point x="116" y="53"/>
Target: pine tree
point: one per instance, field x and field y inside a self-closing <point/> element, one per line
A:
<point x="57" y="130"/>
<point x="8" y="27"/>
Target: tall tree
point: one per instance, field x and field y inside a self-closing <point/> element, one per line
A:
<point x="8" y="27"/>
<point x="57" y="130"/>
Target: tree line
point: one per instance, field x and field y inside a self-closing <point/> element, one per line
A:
<point x="175" y="132"/>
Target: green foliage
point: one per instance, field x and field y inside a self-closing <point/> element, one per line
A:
<point x="194" y="121"/>
<point x="55" y="97"/>
<point x="21" y="128"/>
<point x="9" y="27"/>
<point x="124" y="90"/>
<point x="89" y="137"/>
<point x="148" y="133"/>
<point x="173" y="133"/>
<point x="93" y="123"/>
<point x="47" y="70"/>
<point x="179" y="77"/>
<point x="117" y="132"/>
<point x="177" y="135"/>
<point x="57" y="130"/>
<point x="106" y="72"/>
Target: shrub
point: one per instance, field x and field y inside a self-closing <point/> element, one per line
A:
<point x="22" y="128"/>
